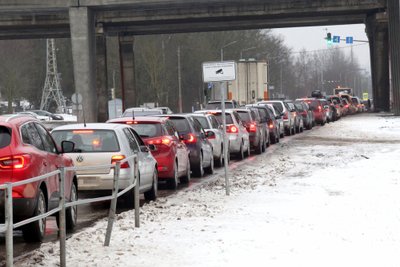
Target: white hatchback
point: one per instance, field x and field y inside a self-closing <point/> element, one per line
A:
<point x="105" y="143"/>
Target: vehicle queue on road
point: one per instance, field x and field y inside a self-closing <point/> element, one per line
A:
<point x="172" y="147"/>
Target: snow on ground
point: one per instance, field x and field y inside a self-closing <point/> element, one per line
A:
<point x="313" y="200"/>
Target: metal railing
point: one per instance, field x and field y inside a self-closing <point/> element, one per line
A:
<point x="9" y="226"/>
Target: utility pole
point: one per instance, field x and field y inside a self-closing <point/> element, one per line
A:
<point x="52" y="87"/>
<point x="179" y="80"/>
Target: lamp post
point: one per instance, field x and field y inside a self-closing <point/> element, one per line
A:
<point x="246" y="49"/>
<point x="222" y="49"/>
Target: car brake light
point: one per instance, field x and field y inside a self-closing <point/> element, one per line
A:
<point x="190" y="139"/>
<point x="160" y="141"/>
<point x="82" y="131"/>
<point x="16" y="194"/>
<point x="251" y="128"/>
<point x="15" y="162"/>
<point x="347" y="106"/>
<point x="271" y="125"/>
<point x="285" y="116"/>
<point x="231" y="129"/>
<point x="116" y="158"/>
<point x="319" y="108"/>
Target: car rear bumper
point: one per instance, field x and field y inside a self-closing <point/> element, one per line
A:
<point x="104" y="181"/>
<point x="23" y="208"/>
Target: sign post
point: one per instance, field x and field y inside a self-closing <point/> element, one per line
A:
<point x="221" y="71"/>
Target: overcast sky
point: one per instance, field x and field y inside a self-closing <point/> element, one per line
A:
<point x="312" y="38"/>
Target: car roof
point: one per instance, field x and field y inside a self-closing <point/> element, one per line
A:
<point x="94" y="126"/>
<point x="138" y="118"/>
<point x="17" y="118"/>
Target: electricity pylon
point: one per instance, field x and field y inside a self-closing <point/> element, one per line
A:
<point x="52" y="87"/>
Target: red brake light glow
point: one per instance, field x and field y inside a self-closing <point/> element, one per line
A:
<point x="191" y="138"/>
<point x="14" y="162"/>
<point x="116" y="158"/>
<point x="232" y="129"/>
<point x="82" y="131"/>
<point x="252" y="127"/>
<point x="161" y="141"/>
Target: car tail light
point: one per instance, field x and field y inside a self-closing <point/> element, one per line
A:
<point x="285" y="116"/>
<point x="251" y="128"/>
<point x="231" y="129"/>
<point x="320" y="108"/>
<point x="347" y="106"/>
<point x="15" y="162"/>
<point x="116" y="158"/>
<point x="16" y="194"/>
<point x="82" y="131"/>
<point x="131" y="122"/>
<point x="165" y="140"/>
<point x="190" y="139"/>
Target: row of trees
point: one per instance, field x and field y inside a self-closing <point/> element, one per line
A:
<point x="23" y="66"/>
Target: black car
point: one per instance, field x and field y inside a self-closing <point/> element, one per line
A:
<point x="251" y="120"/>
<point x="269" y="122"/>
<point x="306" y="113"/>
<point x="195" y="138"/>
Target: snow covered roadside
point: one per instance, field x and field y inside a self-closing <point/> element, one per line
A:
<point x="314" y="201"/>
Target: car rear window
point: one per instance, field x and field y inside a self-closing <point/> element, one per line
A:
<point x="203" y="121"/>
<point x="147" y="129"/>
<point x="227" y="116"/>
<point x="5" y="136"/>
<point x="89" y="140"/>
<point x="299" y="106"/>
<point x="277" y="106"/>
<point x="181" y="124"/>
<point x="313" y="104"/>
<point x="244" y="116"/>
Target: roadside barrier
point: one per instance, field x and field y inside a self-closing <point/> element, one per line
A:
<point x="9" y="226"/>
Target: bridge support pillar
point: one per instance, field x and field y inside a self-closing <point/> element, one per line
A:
<point x="377" y="31"/>
<point x="127" y="61"/>
<point x="84" y="59"/>
<point x="101" y="81"/>
<point x="394" y="48"/>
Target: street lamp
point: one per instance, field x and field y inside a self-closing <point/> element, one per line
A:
<point x="246" y="49"/>
<point x="222" y="49"/>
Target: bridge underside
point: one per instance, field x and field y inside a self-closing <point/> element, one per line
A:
<point x="83" y="20"/>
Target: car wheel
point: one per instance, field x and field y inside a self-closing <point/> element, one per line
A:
<point x="71" y="213"/>
<point x="35" y="231"/>
<point x="220" y="160"/>
<point x="210" y="169"/>
<point x="173" y="183"/>
<point x="186" y="179"/>
<point x="152" y="194"/>
<point x="200" y="169"/>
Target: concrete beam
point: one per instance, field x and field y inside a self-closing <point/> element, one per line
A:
<point x="127" y="61"/>
<point x="394" y="47"/>
<point x="83" y="54"/>
<point x="102" y="81"/>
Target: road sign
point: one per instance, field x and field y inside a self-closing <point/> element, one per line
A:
<point x="76" y="98"/>
<point x="219" y="71"/>
<point x="336" y="39"/>
<point x="365" y="96"/>
<point x="271" y="87"/>
<point x="349" y="39"/>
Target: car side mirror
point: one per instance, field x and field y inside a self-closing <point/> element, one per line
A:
<point x="152" y="147"/>
<point x="210" y="135"/>
<point x="67" y="146"/>
<point x="277" y="117"/>
<point x="144" y="149"/>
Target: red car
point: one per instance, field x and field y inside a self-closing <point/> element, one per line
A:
<point x="317" y="108"/>
<point x="171" y="154"/>
<point x="28" y="150"/>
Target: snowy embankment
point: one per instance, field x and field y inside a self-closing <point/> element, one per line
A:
<point x="328" y="197"/>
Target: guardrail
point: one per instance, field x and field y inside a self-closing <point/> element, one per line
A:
<point x="9" y="225"/>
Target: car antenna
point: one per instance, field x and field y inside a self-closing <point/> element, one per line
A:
<point x="133" y="115"/>
<point x="83" y="114"/>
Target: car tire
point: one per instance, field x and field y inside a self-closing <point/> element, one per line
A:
<point x="152" y="193"/>
<point x="199" y="172"/>
<point x="174" y="181"/>
<point x="210" y="169"/>
<point x="186" y="179"/>
<point x="35" y="231"/>
<point x="71" y="213"/>
<point x="220" y="160"/>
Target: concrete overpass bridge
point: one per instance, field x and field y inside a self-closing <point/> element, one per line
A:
<point x="86" y="22"/>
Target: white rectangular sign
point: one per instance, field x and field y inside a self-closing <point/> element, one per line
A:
<point x="219" y="71"/>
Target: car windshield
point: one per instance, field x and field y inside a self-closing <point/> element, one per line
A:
<point x="147" y="129"/>
<point x="88" y="140"/>
<point x="244" y="116"/>
<point x="181" y="124"/>
<point x="5" y="136"/>
<point x="203" y="121"/>
<point x="131" y="113"/>
<point x="227" y="116"/>
<point x="217" y="105"/>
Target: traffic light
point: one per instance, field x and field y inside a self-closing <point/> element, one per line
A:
<point x="329" y="38"/>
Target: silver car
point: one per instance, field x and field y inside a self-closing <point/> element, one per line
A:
<point x="210" y="123"/>
<point x="238" y="137"/>
<point x="105" y="143"/>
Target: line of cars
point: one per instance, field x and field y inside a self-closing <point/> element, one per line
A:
<point x="170" y="148"/>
